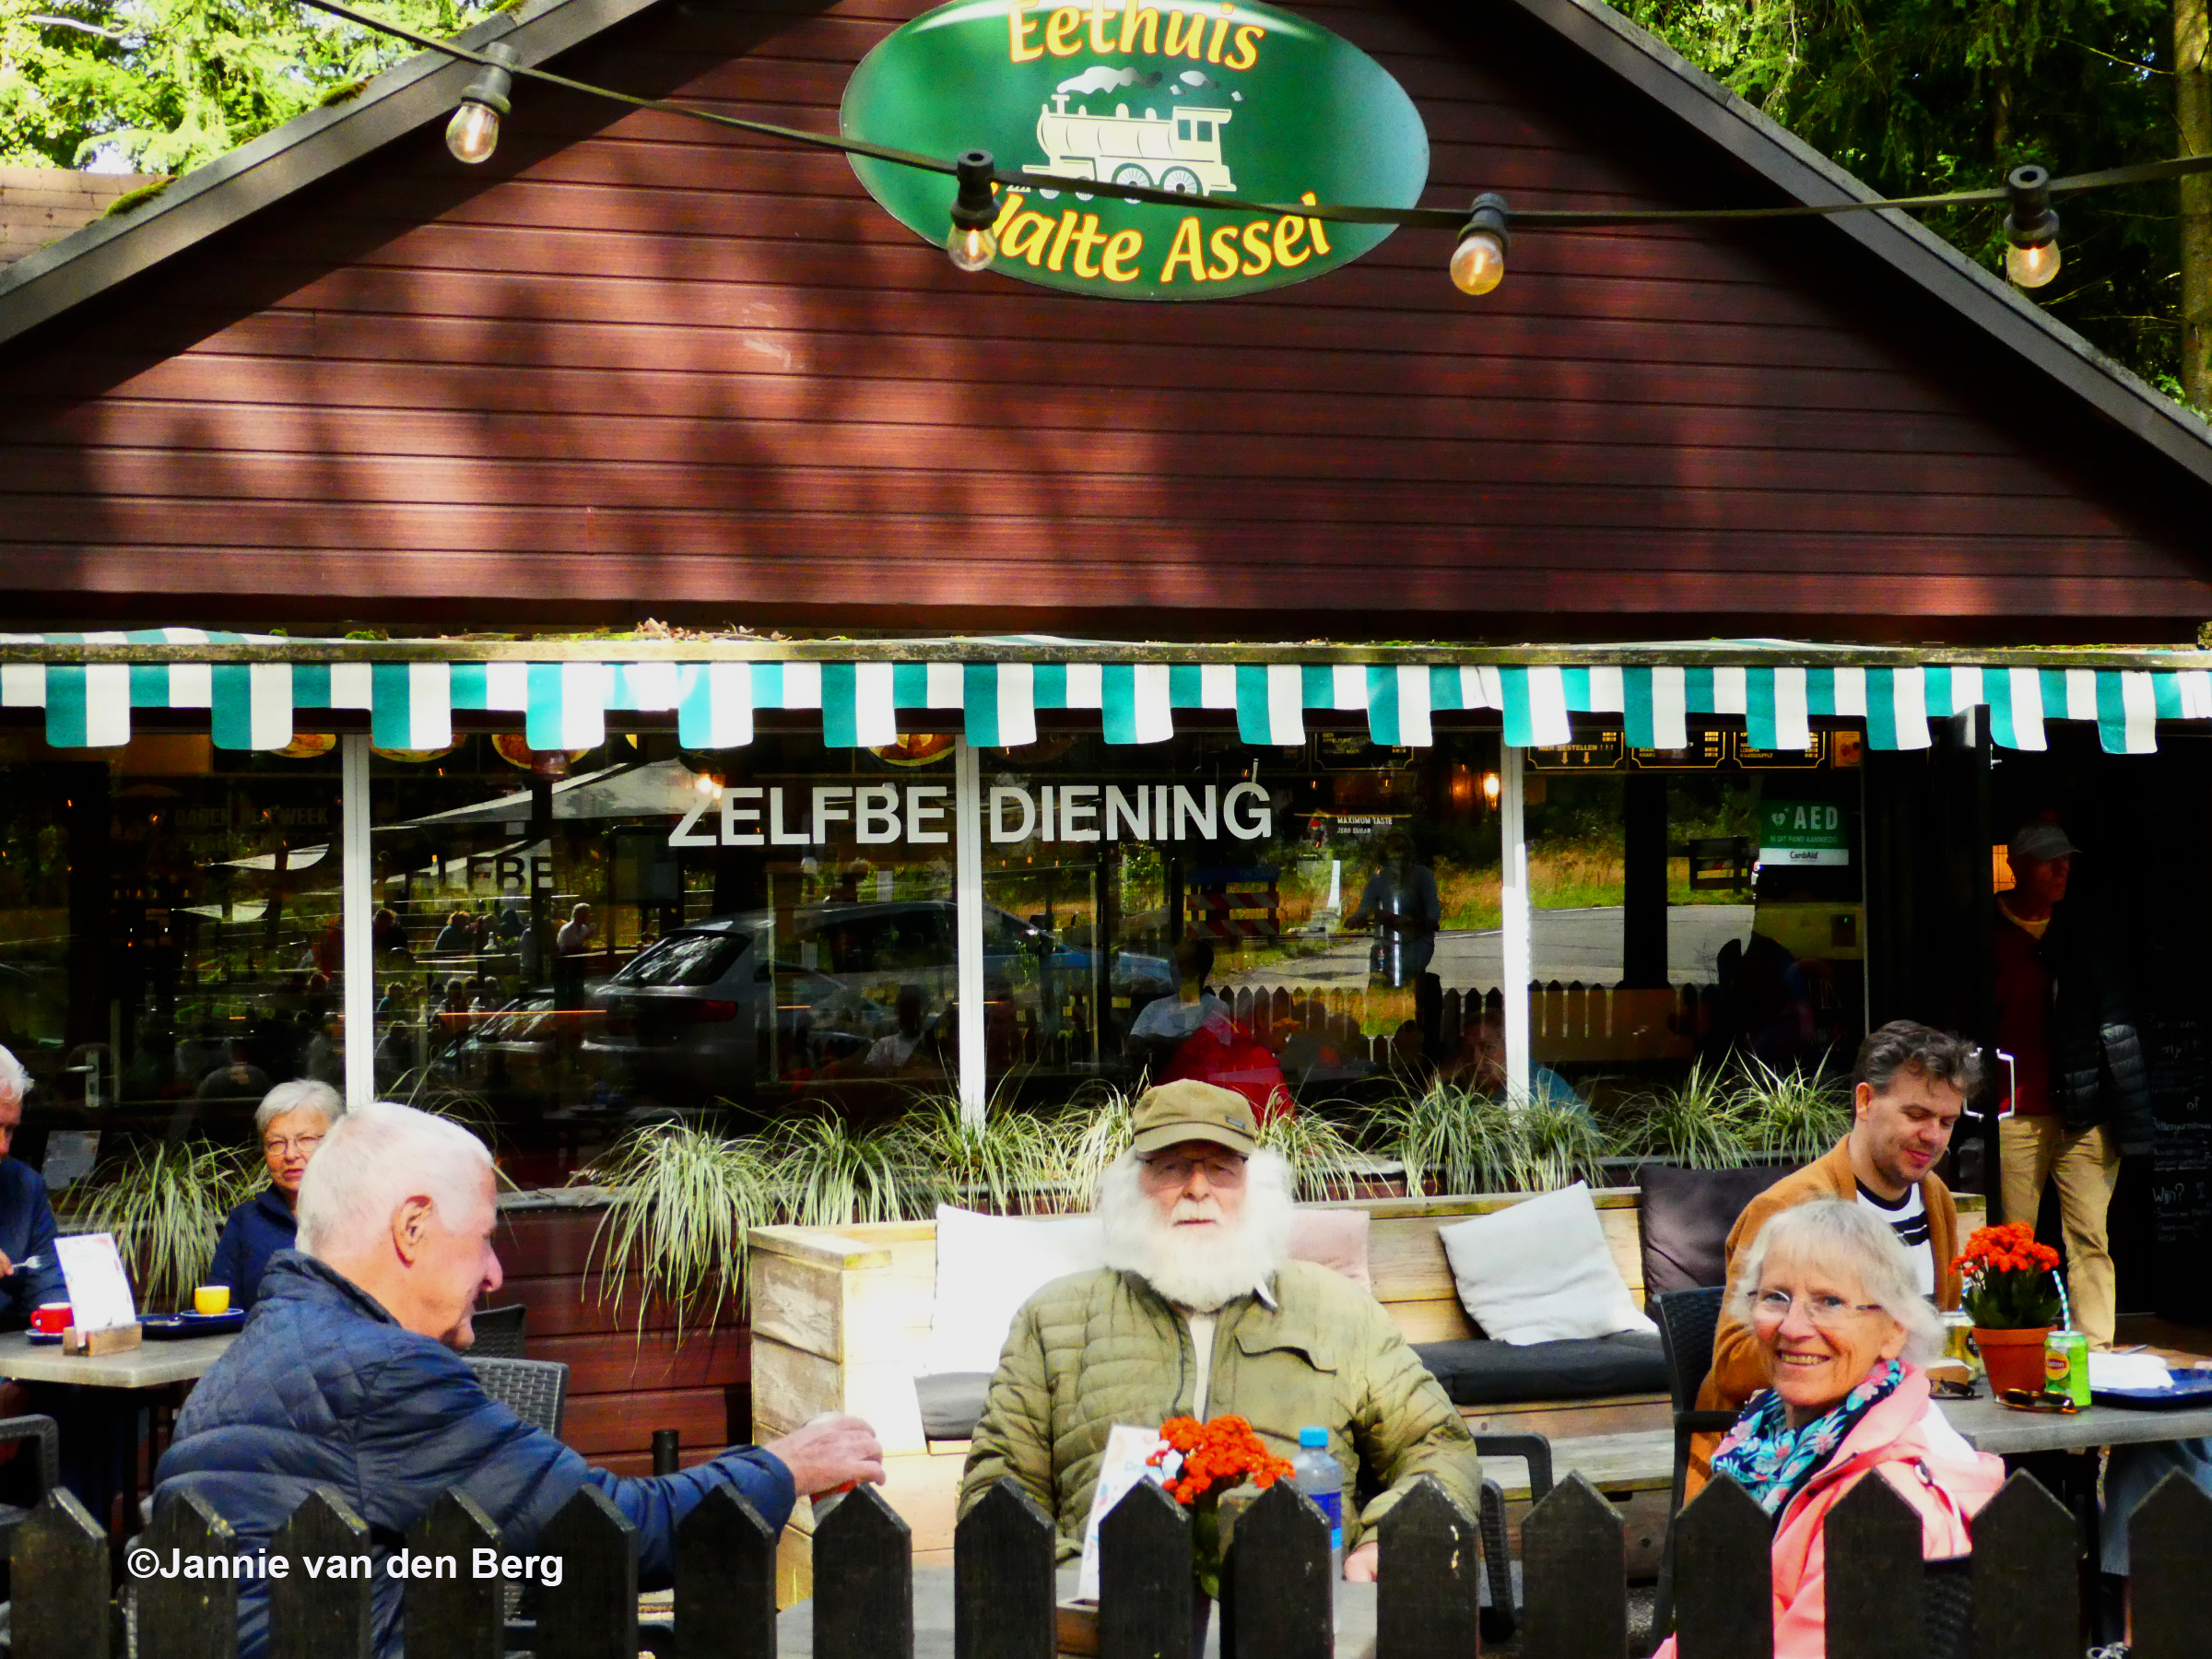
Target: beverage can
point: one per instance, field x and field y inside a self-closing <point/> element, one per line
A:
<point x="2067" y="1365"/>
<point x="1958" y="1343"/>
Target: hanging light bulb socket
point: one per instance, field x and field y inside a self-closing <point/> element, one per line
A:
<point x="972" y="245"/>
<point x="1478" y="262"/>
<point x="474" y="131"/>
<point x="2031" y="228"/>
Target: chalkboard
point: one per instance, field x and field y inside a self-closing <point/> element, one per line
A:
<point x="2182" y="1179"/>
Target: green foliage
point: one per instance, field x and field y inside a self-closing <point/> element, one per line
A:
<point x="1918" y="96"/>
<point x="684" y="1200"/>
<point x="1794" y="1114"/>
<point x="1699" y="1125"/>
<point x="165" y="1203"/>
<point x="1325" y="1162"/>
<point x="1453" y="1139"/>
<point x="166" y="85"/>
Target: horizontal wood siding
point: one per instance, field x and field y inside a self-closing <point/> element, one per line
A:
<point x="638" y="364"/>
<point x="624" y="1384"/>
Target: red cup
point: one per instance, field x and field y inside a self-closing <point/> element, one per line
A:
<point x="49" y="1319"/>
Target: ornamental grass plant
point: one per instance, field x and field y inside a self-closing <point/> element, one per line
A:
<point x="165" y="1202"/>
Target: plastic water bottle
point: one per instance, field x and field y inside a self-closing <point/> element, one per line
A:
<point x="1320" y="1477"/>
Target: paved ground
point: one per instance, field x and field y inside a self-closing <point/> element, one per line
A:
<point x="1569" y="945"/>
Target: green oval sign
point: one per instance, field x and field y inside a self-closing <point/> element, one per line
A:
<point x="1221" y="98"/>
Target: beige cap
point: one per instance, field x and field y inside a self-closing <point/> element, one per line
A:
<point x="1192" y="1111"/>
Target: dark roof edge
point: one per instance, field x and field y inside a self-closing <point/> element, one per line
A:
<point x="421" y="88"/>
<point x="1916" y="252"/>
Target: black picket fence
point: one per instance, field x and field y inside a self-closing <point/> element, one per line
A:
<point x="2016" y="1597"/>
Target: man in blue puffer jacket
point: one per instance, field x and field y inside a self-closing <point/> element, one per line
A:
<point x="347" y="1377"/>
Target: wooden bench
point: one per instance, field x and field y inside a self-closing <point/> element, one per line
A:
<point x="840" y="1318"/>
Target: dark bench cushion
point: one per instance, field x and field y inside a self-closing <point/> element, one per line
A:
<point x="1685" y="1216"/>
<point x="951" y="1403"/>
<point x="1502" y="1373"/>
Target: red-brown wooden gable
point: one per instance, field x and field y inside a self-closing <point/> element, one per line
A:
<point x="640" y="367"/>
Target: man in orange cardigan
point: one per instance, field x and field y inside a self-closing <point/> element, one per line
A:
<point x="1908" y="1089"/>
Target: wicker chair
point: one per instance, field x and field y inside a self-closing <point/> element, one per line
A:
<point x="534" y="1390"/>
<point x="1687" y="1319"/>
<point x="500" y="1332"/>
<point x="1499" y="1620"/>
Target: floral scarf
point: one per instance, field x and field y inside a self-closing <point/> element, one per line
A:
<point x="1772" y="1462"/>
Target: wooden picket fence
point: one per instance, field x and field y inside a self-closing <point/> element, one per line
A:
<point x="2017" y="1598"/>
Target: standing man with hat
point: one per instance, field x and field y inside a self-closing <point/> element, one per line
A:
<point x="2079" y="1093"/>
<point x="1200" y="1312"/>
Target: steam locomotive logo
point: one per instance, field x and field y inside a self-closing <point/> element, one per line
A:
<point x="1179" y="151"/>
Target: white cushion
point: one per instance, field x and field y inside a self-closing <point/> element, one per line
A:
<point x="989" y="1265"/>
<point x="1540" y="1271"/>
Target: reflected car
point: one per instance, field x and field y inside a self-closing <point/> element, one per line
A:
<point x="719" y="1005"/>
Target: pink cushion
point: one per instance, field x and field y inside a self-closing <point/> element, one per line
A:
<point x="1335" y="1238"/>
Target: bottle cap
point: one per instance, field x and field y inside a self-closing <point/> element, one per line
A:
<point x="1310" y="1436"/>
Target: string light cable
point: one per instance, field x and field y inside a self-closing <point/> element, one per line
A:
<point x="2032" y="256"/>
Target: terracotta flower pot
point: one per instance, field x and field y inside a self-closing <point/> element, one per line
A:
<point x="2013" y="1358"/>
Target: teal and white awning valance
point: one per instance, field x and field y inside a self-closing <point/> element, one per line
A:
<point x="259" y="690"/>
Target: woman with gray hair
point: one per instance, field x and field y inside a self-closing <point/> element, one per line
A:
<point x="1832" y="1299"/>
<point x="290" y="1124"/>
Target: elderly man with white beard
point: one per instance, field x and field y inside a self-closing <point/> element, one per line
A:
<point x="1200" y="1312"/>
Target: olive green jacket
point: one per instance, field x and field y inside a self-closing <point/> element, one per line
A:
<point x="1102" y="1347"/>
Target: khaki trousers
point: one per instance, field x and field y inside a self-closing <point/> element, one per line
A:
<point x="2031" y="1150"/>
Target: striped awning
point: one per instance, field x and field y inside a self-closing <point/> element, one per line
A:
<point x="260" y="690"/>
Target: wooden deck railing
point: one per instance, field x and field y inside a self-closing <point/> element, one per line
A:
<point x="2016" y="1597"/>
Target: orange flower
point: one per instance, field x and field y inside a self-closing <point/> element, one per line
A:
<point x="1214" y="1457"/>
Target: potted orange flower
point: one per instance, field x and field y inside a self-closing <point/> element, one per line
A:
<point x="1199" y="1463"/>
<point x="2011" y="1294"/>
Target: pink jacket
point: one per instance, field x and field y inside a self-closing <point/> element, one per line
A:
<point x="1920" y="1454"/>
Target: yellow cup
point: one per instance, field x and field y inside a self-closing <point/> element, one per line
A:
<point x="211" y="1298"/>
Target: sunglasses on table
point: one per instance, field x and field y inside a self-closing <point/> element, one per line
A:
<point x="2028" y="1399"/>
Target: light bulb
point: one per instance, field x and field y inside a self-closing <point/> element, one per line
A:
<point x="1478" y="262"/>
<point x="971" y="247"/>
<point x="474" y="132"/>
<point x="2032" y="267"/>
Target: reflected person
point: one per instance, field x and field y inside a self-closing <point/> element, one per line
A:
<point x="1400" y="903"/>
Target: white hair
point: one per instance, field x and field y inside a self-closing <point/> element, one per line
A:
<point x="1210" y="1271"/>
<point x="301" y="1094"/>
<point x="372" y="1162"/>
<point x="1841" y="1235"/>
<point x="15" y="1082"/>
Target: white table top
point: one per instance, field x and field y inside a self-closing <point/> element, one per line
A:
<point x="150" y="1365"/>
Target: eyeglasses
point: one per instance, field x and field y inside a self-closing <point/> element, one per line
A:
<point x="1827" y="1313"/>
<point x="304" y="1145"/>
<point x="2024" y="1399"/>
<point x="1177" y="1171"/>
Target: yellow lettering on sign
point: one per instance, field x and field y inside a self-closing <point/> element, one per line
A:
<point x="1224" y="245"/>
<point x="1136" y="18"/>
<point x="1086" y="243"/>
<point x="1025" y="236"/>
<point x="1287" y="233"/>
<point x="1184" y="250"/>
<point x="1313" y="230"/>
<point x="1193" y="44"/>
<point x="1259" y="259"/>
<point x="1245" y="47"/>
<point x="1213" y="50"/>
<point x="1067" y="228"/>
<point x="1061" y="38"/>
<point x="1120" y="248"/>
<point x="1019" y="30"/>
<point x="1098" y="27"/>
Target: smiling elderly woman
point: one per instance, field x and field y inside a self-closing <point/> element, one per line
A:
<point x="1830" y="1295"/>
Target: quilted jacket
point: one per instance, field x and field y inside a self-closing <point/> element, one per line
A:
<point x="326" y="1388"/>
<point x="1102" y="1347"/>
<point x="2098" y="1071"/>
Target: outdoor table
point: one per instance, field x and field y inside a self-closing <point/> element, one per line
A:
<point x="933" y="1618"/>
<point x="1989" y="1427"/>
<point x="116" y="1383"/>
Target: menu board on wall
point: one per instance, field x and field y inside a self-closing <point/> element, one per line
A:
<point x="2181" y="1184"/>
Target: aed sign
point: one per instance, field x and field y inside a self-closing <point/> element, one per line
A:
<point x="1202" y="98"/>
<point x="1801" y="833"/>
<point x="919" y="814"/>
